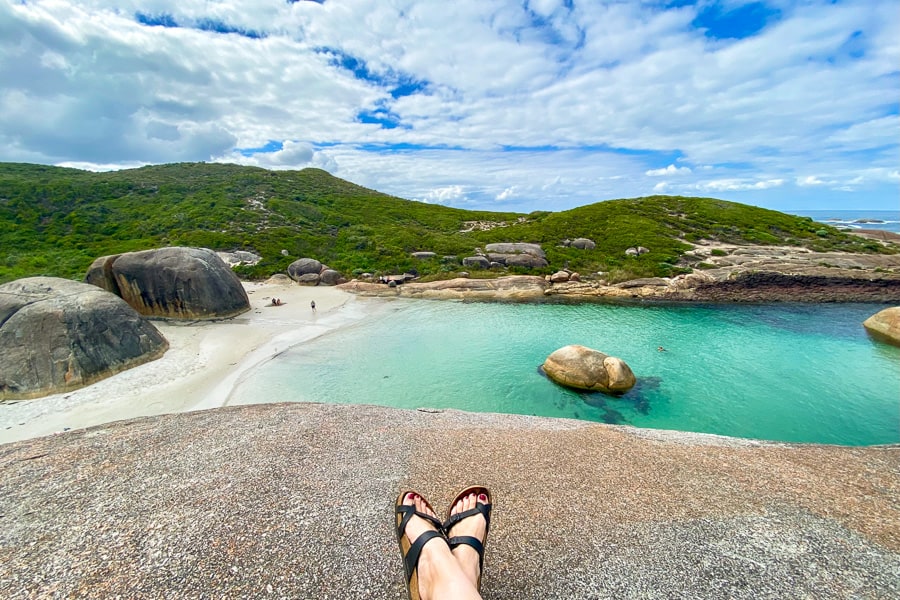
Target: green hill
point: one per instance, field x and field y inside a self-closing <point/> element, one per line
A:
<point x="55" y="221"/>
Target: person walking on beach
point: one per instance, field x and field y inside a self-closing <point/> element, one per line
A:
<point x="443" y="561"/>
<point x="312" y="305"/>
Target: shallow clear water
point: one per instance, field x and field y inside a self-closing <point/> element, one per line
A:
<point x="803" y="373"/>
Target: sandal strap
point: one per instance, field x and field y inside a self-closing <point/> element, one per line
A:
<point x="408" y="513"/>
<point x="411" y="560"/>
<point x="468" y="540"/>
<point x="483" y="509"/>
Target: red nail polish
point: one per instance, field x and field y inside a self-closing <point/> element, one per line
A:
<point x="482" y="497"/>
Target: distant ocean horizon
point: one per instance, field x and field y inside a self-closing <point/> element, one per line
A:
<point x="885" y="220"/>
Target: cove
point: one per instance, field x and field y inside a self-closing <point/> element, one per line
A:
<point x="784" y="372"/>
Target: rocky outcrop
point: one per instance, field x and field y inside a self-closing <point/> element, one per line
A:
<point x="216" y="503"/>
<point x="174" y="283"/>
<point x="309" y="271"/>
<point x="588" y="369"/>
<point x="304" y="266"/>
<point x="580" y="243"/>
<point x="516" y="248"/>
<point x="517" y="254"/>
<point x="479" y="262"/>
<point x="239" y="257"/>
<point x="518" y="288"/>
<point x="330" y="277"/>
<point x="885" y="325"/>
<point x="57" y="335"/>
<point x="423" y="255"/>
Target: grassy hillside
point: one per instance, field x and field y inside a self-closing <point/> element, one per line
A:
<point x="55" y="221"/>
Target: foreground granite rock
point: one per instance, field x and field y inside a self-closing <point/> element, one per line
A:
<point x="57" y="335"/>
<point x="295" y="501"/>
<point x="885" y="325"/>
<point x="174" y="283"/>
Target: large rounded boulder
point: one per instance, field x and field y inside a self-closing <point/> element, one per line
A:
<point x="587" y="369"/>
<point x="304" y="266"/>
<point x="57" y="335"/>
<point x="885" y="325"/>
<point x="174" y="283"/>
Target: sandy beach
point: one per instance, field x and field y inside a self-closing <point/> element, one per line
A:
<point x="204" y="362"/>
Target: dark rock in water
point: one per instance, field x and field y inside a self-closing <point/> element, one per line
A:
<point x="58" y="335"/>
<point x="176" y="283"/>
<point x="304" y="266"/>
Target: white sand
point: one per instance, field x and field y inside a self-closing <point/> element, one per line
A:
<point x="202" y="365"/>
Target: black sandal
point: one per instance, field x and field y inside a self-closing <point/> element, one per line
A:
<point x="412" y="551"/>
<point x="468" y="540"/>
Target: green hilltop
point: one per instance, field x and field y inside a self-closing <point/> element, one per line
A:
<point x="56" y="221"/>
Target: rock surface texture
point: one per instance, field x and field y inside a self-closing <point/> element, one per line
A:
<point x="172" y="283"/>
<point x="588" y="369"/>
<point x="885" y="325"/>
<point x="296" y="501"/>
<point x="57" y="335"/>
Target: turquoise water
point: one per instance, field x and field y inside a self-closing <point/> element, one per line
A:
<point x="802" y="373"/>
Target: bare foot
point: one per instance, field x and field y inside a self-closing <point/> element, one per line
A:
<point x="474" y="526"/>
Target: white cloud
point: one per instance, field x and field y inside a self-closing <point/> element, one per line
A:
<point x="616" y="88"/>
<point x="809" y="180"/>
<point x="507" y="193"/>
<point x="445" y="195"/>
<point x="670" y="170"/>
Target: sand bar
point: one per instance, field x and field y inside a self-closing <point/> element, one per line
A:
<point x="204" y="362"/>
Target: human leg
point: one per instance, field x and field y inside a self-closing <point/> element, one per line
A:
<point x="433" y="573"/>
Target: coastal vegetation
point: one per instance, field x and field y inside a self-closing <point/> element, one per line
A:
<point x="56" y="221"/>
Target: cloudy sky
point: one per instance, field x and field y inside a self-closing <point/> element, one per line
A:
<point x="494" y="104"/>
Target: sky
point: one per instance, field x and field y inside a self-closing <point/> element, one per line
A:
<point x="505" y="105"/>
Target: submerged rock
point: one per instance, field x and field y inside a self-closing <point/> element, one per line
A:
<point x="885" y="325"/>
<point x="58" y="335"/>
<point x="588" y="369"/>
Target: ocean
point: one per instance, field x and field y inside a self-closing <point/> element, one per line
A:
<point x="886" y="220"/>
<point x="786" y="372"/>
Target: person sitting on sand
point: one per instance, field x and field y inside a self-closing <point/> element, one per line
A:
<point x="443" y="560"/>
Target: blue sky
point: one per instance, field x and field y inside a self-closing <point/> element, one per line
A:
<point x="498" y="105"/>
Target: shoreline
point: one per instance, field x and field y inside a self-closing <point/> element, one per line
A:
<point x="204" y="363"/>
<point x="208" y="360"/>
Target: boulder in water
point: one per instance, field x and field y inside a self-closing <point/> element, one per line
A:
<point x="885" y="325"/>
<point x="588" y="369"/>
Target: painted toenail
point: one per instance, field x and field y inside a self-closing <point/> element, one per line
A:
<point x="482" y="497"/>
